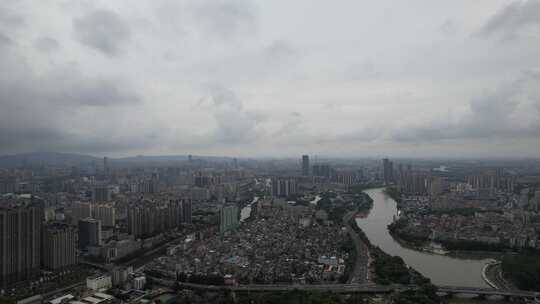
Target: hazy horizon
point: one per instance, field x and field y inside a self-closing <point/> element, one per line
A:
<point x="253" y="78"/>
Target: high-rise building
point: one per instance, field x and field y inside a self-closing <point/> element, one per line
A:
<point x="20" y="240"/>
<point x="106" y="213"/>
<point x="388" y="171"/>
<point x="322" y="170"/>
<point x="229" y="218"/>
<point x="186" y="211"/>
<point x="101" y="194"/>
<point x="135" y="218"/>
<point x="174" y="215"/>
<point x="438" y="185"/>
<point x="283" y="187"/>
<point x="59" y="249"/>
<point x="79" y="211"/>
<point x="89" y="233"/>
<point x="150" y="186"/>
<point x="305" y="165"/>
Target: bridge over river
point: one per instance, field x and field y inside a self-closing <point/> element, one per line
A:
<point x="368" y="289"/>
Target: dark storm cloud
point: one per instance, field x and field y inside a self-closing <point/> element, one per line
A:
<point x="513" y="18"/>
<point x="102" y="30"/>
<point x="511" y="110"/>
<point x="46" y="44"/>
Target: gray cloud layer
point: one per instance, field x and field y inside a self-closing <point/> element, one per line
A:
<point x="511" y="110"/>
<point x="103" y="30"/>
<point x="513" y="18"/>
<point x="111" y="77"/>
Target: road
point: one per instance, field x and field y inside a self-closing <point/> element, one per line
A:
<point x="364" y="288"/>
<point x="360" y="273"/>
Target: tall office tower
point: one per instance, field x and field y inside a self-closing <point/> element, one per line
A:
<point x="101" y="194"/>
<point x="79" y="211"/>
<point x="228" y="218"/>
<point x="186" y="211"/>
<point x="305" y="165"/>
<point x="20" y="240"/>
<point x="388" y="171"/>
<point x="59" y="249"/>
<point x="89" y="233"/>
<point x="106" y="213"/>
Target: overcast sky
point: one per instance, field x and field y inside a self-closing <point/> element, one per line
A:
<point x="271" y="78"/>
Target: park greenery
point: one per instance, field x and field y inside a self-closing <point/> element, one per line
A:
<point x="292" y="297"/>
<point x="523" y="270"/>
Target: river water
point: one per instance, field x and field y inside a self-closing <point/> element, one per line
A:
<point x="442" y="270"/>
<point x="245" y="213"/>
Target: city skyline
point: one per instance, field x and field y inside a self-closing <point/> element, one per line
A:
<point x="251" y="151"/>
<point x="249" y="78"/>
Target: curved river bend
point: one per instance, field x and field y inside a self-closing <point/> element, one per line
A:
<point x="442" y="270"/>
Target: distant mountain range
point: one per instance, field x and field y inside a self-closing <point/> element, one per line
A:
<point x="45" y="158"/>
<point x="71" y="159"/>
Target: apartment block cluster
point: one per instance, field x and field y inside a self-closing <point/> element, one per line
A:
<point x="284" y="243"/>
<point x="55" y="217"/>
<point x="477" y="207"/>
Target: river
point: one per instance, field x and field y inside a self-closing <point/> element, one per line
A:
<point x="442" y="270"/>
<point x="245" y="213"/>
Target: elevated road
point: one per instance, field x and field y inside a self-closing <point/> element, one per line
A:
<point x="488" y="292"/>
<point x="338" y="288"/>
<point x="366" y="289"/>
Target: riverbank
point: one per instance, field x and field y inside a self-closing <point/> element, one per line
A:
<point x="467" y="254"/>
<point x="493" y="275"/>
<point x="441" y="269"/>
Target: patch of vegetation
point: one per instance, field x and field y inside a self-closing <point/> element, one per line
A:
<point x="393" y="270"/>
<point x="292" y="297"/>
<point x="523" y="270"/>
<point x="348" y="246"/>
<point x="394" y="193"/>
